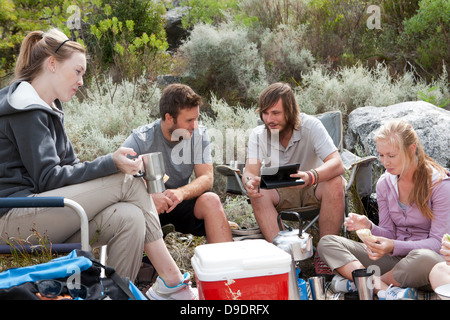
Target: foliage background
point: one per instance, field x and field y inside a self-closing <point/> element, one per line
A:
<point x="326" y="49"/>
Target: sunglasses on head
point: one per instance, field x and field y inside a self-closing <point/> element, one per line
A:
<point x="53" y="288"/>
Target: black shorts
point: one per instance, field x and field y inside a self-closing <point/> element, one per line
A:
<point x="182" y="217"/>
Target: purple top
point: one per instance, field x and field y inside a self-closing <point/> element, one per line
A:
<point x="409" y="228"/>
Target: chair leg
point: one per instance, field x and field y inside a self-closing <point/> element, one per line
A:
<point x="311" y="223"/>
<point x="103" y="260"/>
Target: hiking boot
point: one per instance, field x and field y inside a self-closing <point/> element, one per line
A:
<point x="183" y="291"/>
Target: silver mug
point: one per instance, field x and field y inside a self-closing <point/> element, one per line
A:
<point x="154" y="172"/>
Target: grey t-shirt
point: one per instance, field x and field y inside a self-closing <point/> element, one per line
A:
<point x="309" y="145"/>
<point x="179" y="157"/>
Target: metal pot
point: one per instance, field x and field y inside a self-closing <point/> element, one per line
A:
<point x="295" y="242"/>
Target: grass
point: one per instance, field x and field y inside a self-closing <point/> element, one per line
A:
<point x="40" y="252"/>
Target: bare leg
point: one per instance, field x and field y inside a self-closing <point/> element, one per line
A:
<point x="163" y="262"/>
<point x="332" y="207"/>
<point x="209" y="209"/>
<point x="440" y="275"/>
<point x="266" y="214"/>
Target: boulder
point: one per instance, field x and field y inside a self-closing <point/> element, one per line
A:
<point x="431" y="123"/>
<point x="174" y="29"/>
<point x="166" y="79"/>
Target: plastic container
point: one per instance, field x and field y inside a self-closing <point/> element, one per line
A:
<point x="241" y="270"/>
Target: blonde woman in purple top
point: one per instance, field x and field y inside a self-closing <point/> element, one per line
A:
<point x="413" y="198"/>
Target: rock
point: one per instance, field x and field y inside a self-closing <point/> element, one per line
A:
<point x="166" y="79"/>
<point x="431" y="123"/>
<point x="174" y="29"/>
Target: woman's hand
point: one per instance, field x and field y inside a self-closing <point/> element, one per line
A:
<point x="126" y="164"/>
<point x="379" y="248"/>
<point x="445" y="251"/>
<point x="356" y="221"/>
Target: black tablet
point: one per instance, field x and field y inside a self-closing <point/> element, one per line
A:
<point x="279" y="177"/>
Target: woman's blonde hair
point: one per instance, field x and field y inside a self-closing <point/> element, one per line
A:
<point x="402" y="135"/>
<point x="38" y="46"/>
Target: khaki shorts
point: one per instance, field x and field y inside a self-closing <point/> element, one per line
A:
<point x="411" y="270"/>
<point x="291" y="198"/>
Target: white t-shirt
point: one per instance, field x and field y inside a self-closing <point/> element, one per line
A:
<point x="309" y="145"/>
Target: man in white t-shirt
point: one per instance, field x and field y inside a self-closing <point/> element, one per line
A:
<point x="187" y="204"/>
<point x="290" y="137"/>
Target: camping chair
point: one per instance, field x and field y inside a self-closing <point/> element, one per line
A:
<point x="358" y="169"/>
<point x="43" y="202"/>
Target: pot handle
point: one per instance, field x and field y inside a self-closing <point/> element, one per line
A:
<point x="287" y="215"/>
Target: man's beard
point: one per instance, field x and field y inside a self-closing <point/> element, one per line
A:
<point x="286" y="129"/>
<point x="178" y="134"/>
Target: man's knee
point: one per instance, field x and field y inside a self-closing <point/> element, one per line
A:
<point x="209" y="199"/>
<point x="334" y="188"/>
<point x="208" y="204"/>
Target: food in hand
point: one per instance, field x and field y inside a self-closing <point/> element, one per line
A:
<point x="446" y="237"/>
<point x="365" y="235"/>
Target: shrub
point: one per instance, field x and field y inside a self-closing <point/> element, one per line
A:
<point x="238" y="210"/>
<point x="284" y="53"/>
<point x="222" y="60"/>
<point x="358" y="86"/>
<point x="426" y="33"/>
<point x="100" y="123"/>
<point x="228" y="128"/>
<point x="271" y="13"/>
<point x="129" y="36"/>
<point x="205" y="11"/>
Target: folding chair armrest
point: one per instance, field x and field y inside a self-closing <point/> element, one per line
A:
<point x="31" y="202"/>
<point x="228" y="172"/>
<point x="350" y="159"/>
<point x="52" y="202"/>
<point x="352" y="163"/>
<point x="84" y="223"/>
<point x="364" y="160"/>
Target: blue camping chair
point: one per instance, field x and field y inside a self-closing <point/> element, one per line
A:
<point x="45" y="202"/>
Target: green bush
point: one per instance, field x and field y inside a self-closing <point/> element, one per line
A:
<point x="269" y="14"/>
<point x="130" y="40"/>
<point x="358" y="86"/>
<point x="427" y="34"/>
<point x="206" y="11"/>
<point x="222" y="60"/>
<point x="285" y="54"/>
<point x="229" y="128"/>
<point x="100" y="123"/>
<point x="238" y="210"/>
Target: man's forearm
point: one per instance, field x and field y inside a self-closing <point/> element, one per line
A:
<point x="197" y="187"/>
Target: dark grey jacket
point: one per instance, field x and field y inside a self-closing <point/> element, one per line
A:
<point x="35" y="152"/>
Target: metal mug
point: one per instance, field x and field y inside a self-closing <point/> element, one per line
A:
<point x="363" y="280"/>
<point x="317" y="286"/>
<point x="154" y="172"/>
